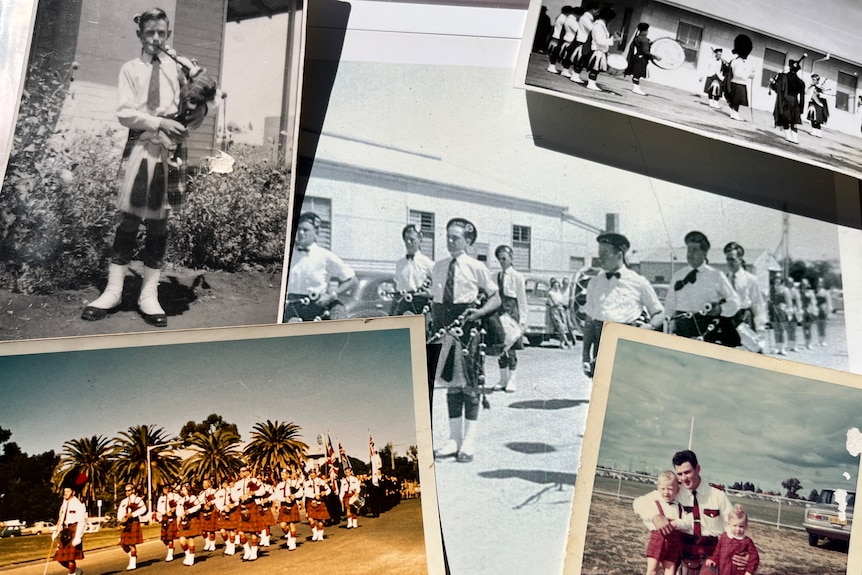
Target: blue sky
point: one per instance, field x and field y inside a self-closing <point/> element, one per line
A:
<point x="750" y="424"/>
<point x="344" y="383"/>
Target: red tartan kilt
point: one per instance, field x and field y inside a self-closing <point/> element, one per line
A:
<point x="69" y="552"/>
<point x="267" y="519"/>
<point x="697" y="547"/>
<point x="316" y="512"/>
<point x="192" y="527"/>
<point x="171" y="532"/>
<point x="210" y="523"/>
<point x="291" y="515"/>
<point x="250" y="522"/>
<point x="664" y="548"/>
<point x="229" y="521"/>
<point x="131" y="534"/>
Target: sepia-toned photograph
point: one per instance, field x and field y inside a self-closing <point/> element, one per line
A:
<point x="149" y="174"/>
<point x="778" y="81"/>
<point x="700" y="459"/>
<point x="260" y="449"/>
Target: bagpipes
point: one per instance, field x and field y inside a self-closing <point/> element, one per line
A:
<point x="407" y="295"/>
<point x="306" y="300"/>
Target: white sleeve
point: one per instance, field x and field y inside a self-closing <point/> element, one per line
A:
<point x="644" y="507"/>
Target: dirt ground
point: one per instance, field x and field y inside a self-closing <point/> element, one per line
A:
<point x="616" y="541"/>
<point x="191" y="299"/>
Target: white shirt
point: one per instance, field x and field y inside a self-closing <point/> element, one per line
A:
<point x="514" y="286"/>
<point x="133" y="90"/>
<point x="622" y="299"/>
<point x="750" y="297"/>
<point x="711" y="286"/>
<point x="286" y="490"/>
<point x="570" y="26"/>
<point x="224" y="499"/>
<point x="133" y="506"/>
<point x="411" y="274"/>
<point x="646" y="508"/>
<point x="349" y="485"/>
<point x="714" y="506"/>
<point x="743" y="71"/>
<point x="558" y="26"/>
<point x="163" y="505"/>
<point x="585" y="26"/>
<point x="188" y="505"/>
<point x="243" y="488"/>
<point x="315" y="487"/>
<point x="73" y="512"/>
<point x="471" y="276"/>
<point x="310" y="271"/>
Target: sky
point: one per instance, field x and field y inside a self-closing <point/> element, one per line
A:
<point x="343" y="383"/>
<point x="750" y="424"/>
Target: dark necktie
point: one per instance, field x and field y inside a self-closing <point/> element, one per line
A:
<point x="610" y="275"/>
<point x="410" y="256"/>
<point x="733" y="280"/>
<point x="695" y="511"/>
<point x="449" y="288"/>
<point x="689" y="278"/>
<point x="154" y="88"/>
<point x="301" y="249"/>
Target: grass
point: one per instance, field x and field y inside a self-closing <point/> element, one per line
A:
<point x="35" y="547"/>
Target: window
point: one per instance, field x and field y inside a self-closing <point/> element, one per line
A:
<point x="773" y="63"/>
<point x="846" y="92"/>
<point x="323" y="208"/>
<point x="425" y="222"/>
<point x="521" y="247"/>
<point x="689" y="36"/>
<point x="479" y="251"/>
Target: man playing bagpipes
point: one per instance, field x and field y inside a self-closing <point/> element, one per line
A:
<point x="228" y="518"/>
<point x="350" y="488"/>
<point x="129" y="514"/>
<point x="456" y="287"/>
<point x="209" y="515"/>
<point x="316" y="490"/>
<point x="245" y="490"/>
<point x="159" y="101"/>
<point x="287" y="495"/>
<point x="71" y="523"/>
<point x="166" y="514"/>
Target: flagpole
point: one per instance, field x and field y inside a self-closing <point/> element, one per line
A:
<point x="691" y="433"/>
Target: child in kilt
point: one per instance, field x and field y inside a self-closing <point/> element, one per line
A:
<point x="662" y="550"/>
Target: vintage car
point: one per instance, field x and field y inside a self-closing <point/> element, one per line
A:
<point x="372" y="296"/>
<point x="38" y="528"/>
<point x="539" y="326"/>
<point x="822" y="520"/>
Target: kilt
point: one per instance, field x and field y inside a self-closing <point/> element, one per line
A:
<point x="510" y="306"/>
<point x="250" y="520"/>
<point x="737" y="94"/>
<point x="229" y="521"/>
<point x="149" y="185"/>
<point x="664" y="548"/>
<point x="189" y="526"/>
<point x="289" y="514"/>
<point x="209" y="520"/>
<point x="131" y="533"/>
<point x="267" y="519"/>
<point x="598" y="61"/>
<point x="169" y="529"/>
<point x="69" y="552"/>
<point x="696" y="548"/>
<point x="316" y="510"/>
<point x="712" y="85"/>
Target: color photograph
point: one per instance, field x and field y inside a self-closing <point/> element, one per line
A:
<point x="704" y="458"/>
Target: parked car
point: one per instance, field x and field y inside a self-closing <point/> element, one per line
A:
<point x="94" y="524"/>
<point x="539" y="325"/>
<point x="11" y="531"/>
<point x="372" y="296"/>
<point x="38" y="528"/>
<point x="822" y="520"/>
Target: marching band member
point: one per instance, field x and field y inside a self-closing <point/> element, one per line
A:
<point x="71" y="523"/>
<point x="350" y="488"/>
<point x="701" y="301"/>
<point x="286" y="495"/>
<point x="513" y="299"/>
<point x="129" y="514"/>
<point x="312" y="268"/>
<point x="458" y="282"/>
<point x="619" y="295"/>
<point x="263" y="501"/>
<point x="752" y="307"/>
<point x="412" y="275"/>
<point x="209" y="515"/>
<point x="244" y="491"/>
<point x="316" y="489"/>
<point x="602" y="42"/>
<point x="228" y="515"/>
<point x="188" y="516"/>
<point x="166" y="514"/>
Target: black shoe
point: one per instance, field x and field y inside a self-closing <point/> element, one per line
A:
<point x="156" y="319"/>
<point x="91" y="313"/>
<point x="464" y="457"/>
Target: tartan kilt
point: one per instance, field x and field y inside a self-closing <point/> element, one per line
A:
<point x="289" y="515"/>
<point x="190" y="528"/>
<point x="695" y="547"/>
<point x="152" y="179"/>
<point x="664" y="548"/>
<point x="131" y="534"/>
<point x="250" y="522"/>
<point x="267" y="519"/>
<point x="209" y="523"/>
<point x="169" y="531"/>
<point x="228" y="521"/>
<point x="316" y="509"/>
<point x="66" y="553"/>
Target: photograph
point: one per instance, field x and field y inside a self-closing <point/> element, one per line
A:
<point x="148" y="180"/>
<point x="776" y="81"/>
<point x="426" y="150"/>
<point x="700" y="459"/>
<point x="269" y="449"/>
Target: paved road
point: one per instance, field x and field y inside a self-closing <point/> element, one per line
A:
<point x="690" y="108"/>
<point x="392" y="544"/>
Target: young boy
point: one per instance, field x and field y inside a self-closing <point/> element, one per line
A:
<point x="662" y="549"/>
<point x="732" y="542"/>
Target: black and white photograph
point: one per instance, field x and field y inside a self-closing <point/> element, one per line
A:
<point x="704" y="458"/>
<point x="783" y="81"/>
<point x="268" y="449"/>
<point x="392" y="198"/>
<point x="149" y="174"/>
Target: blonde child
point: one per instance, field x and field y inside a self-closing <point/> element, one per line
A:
<point x="663" y="549"/>
<point x="732" y="542"/>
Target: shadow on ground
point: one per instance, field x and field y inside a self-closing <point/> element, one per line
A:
<point x="548" y="403"/>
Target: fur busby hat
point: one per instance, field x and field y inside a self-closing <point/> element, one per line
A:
<point x="75" y="481"/>
<point x="470" y="232"/>
<point x="618" y="241"/>
<point x="796" y="65"/>
<point x="607" y="13"/>
<point x="310" y="217"/>
<point x="742" y="46"/>
<point x="695" y="237"/>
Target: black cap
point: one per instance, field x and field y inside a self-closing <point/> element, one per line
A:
<point x="469" y="229"/>
<point x="75" y="480"/>
<point x="618" y="241"/>
<point x="643" y="26"/>
<point x="695" y="237"/>
<point x="734" y="246"/>
<point x="310" y="217"/>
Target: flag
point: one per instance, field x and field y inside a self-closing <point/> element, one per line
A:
<point x="345" y="461"/>
<point x="330" y="453"/>
<point x="371" y="450"/>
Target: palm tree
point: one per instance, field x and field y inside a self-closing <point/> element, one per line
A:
<point x="275" y="445"/>
<point x="216" y="456"/>
<point x="130" y="456"/>
<point x="90" y="456"/>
